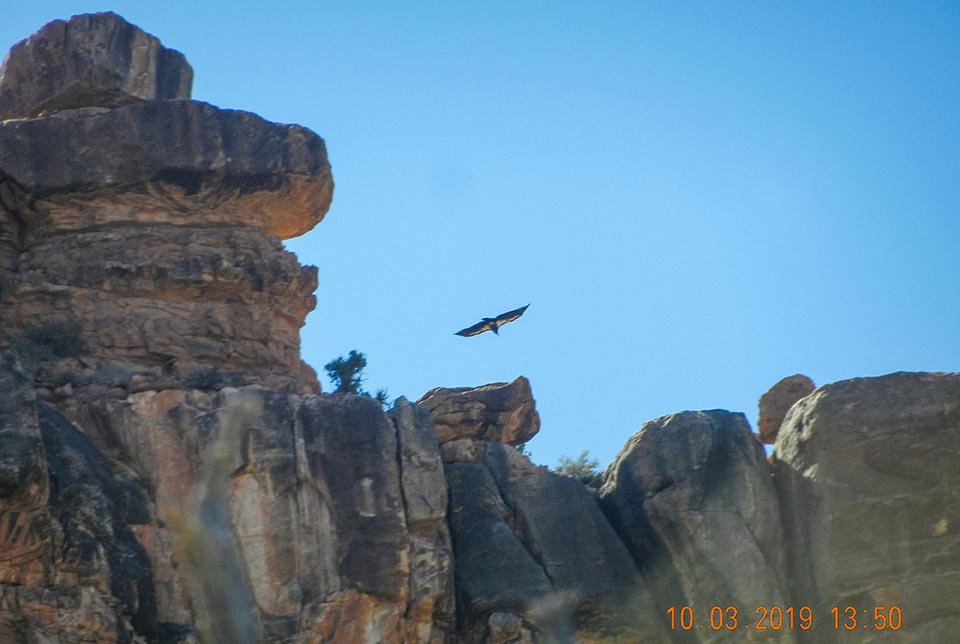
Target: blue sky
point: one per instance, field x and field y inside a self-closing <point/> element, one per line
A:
<point x="696" y="199"/>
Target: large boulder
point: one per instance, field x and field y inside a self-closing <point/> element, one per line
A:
<point x="869" y="469"/>
<point x="690" y="495"/>
<point x="534" y="544"/>
<point x="90" y="60"/>
<point x="179" y="163"/>
<point x="501" y="411"/>
<point x="777" y="401"/>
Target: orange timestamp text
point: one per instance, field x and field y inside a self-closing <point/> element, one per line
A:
<point x="775" y="618"/>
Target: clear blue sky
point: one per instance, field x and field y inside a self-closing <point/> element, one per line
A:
<point x="697" y="199"/>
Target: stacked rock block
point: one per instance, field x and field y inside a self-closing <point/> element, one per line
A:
<point x="147" y="224"/>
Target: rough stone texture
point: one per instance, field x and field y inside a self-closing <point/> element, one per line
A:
<point x="502" y="412"/>
<point x="338" y="515"/>
<point x="534" y="544"/>
<point x="71" y="569"/>
<point x="156" y="301"/>
<point x="176" y="162"/>
<point x="431" y="604"/>
<point x="691" y="497"/>
<point x="870" y="468"/>
<point x="777" y="401"/>
<point x="90" y="60"/>
<point x="149" y="228"/>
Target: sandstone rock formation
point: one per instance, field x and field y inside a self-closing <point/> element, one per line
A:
<point x="777" y="401"/>
<point x="91" y="60"/>
<point x="338" y="513"/>
<point x="502" y="412"/>
<point x="691" y="497"/>
<point x="149" y="228"/>
<point x="534" y="544"/>
<point x="168" y="473"/>
<point x="71" y="569"/>
<point x="870" y="469"/>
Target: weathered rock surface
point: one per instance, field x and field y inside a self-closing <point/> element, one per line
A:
<point x="90" y="60"/>
<point x="869" y="469"/>
<point x="71" y="569"/>
<point x="338" y="515"/>
<point x="175" y="162"/>
<point x="162" y="301"/>
<point x="502" y="412"/>
<point x="534" y="544"/>
<point x="777" y="401"/>
<point x="691" y="497"/>
<point x="149" y="228"/>
<point x="164" y="476"/>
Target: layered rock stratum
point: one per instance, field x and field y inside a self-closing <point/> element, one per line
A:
<point x="170" y="473"/>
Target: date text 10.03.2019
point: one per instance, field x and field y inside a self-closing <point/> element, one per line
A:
<point x="775" y="618"/>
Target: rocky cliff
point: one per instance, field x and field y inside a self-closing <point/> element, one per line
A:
<point x="170" y="473"/>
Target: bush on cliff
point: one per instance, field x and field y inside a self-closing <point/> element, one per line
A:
<point x="346" y="375"/>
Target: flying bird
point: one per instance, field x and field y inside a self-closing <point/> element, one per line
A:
<point x="492" y="324"/>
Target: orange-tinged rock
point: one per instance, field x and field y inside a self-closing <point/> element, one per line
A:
<point x="777" y="401"/>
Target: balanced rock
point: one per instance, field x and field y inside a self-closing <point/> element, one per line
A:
<point x="501" y="412"/>
<point x="777" y="401"/>
<point x="690" y="495"/>
<point x="180" y="163"/>
<point x="870" y="469"/>
<point x="90" y="60"/>
<point x="146" y="224"/>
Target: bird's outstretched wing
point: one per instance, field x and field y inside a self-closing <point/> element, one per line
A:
<point x="509" y="316"/>
<point x="479" y="327"/>
<point x="492" y="324"/>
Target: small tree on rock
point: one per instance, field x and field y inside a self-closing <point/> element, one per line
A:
<point x="583" y="467"/>
<point x="346" y="374"/>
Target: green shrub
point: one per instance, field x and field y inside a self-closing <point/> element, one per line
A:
<point x="346" y="375"/>
<point x="583" y="467"/>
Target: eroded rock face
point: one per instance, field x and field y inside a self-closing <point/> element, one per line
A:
<point x="167" y="301"/>
<point x="183" y="163"/>
<point x="338" y="513"/>
<point x="71" y="568"/>
<point x="690" y="495"/>
<point x="534" y="544"/>
<point x="502" y="412"/>
<point x="91" y="60"/>
<point x="148" y="228"/>
<point x="870" y="469"/>
<point x="777" y="401"/>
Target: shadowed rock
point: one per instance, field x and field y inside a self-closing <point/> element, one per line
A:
<point x="870" y="469"/>
<point x="534" y="544"/>
<point x="149" y="226"/>
<point x="777" y="401"/>
<point x="90" y="60"/>
<point x="174" y="162"/>
<point x="691" y="497"/>
<point x="501" y="412"/>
